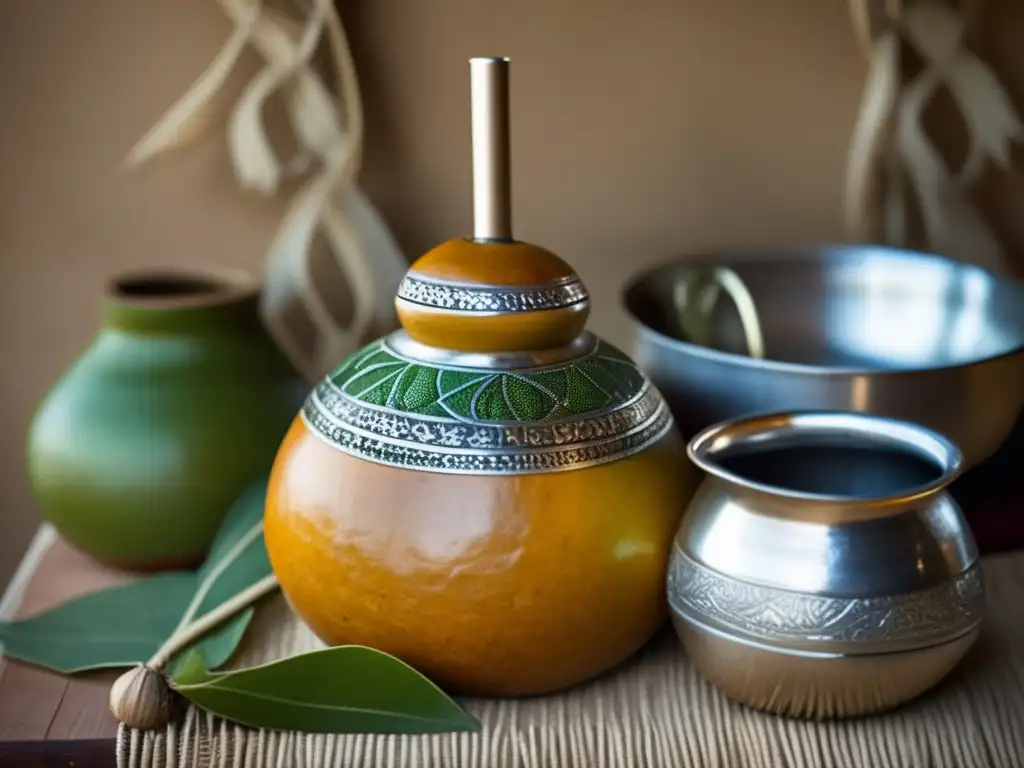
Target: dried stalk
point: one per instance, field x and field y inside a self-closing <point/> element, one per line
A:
<point x="890" y="144"/>
<point x="329" y="133"/>
<point x="188" y="633"/>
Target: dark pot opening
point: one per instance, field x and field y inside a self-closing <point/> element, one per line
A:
<point x="165" y="298"/>
<point x="166" y="287"/>
<point x="170" y="289"/>
<point x="827" y="456"/>
<point x="846" y="469"/>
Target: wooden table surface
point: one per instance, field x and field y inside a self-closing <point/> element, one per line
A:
<point x="46" y="718"/>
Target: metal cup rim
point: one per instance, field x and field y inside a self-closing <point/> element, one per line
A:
<point x="910" y="437"/>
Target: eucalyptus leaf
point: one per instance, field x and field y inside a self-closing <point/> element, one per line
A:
<point x="348" y="689"/>
<point x="238" y="556"/>
<point x="116" y="627"/>
<point x="218" y="645"/>
<point x="127" y="625"/>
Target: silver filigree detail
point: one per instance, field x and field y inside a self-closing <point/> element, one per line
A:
<point x="781" y="616"/>
<point x="466" y="297"/>
<point x="615" y="421"/>
<point x="451" y="446"/>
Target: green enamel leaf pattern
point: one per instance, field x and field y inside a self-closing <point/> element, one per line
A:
<point x="376" y="376"/>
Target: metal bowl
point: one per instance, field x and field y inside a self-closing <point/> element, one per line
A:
<point x="858" y="328"/>
<point x="822" y="570"/>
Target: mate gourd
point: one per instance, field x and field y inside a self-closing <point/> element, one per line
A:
<point x="489" y="493"/>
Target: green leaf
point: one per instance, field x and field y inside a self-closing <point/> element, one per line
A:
<point x="417" y="390"/>
<point x="582" y="394"/>
<point x="126" y="625"/>
<point x="348" y="689"/>
<point x="363" y="357"/>
<point x="218" y="645"/>
<point x="373" y="383"/>
<point x="238" y="556"/>
<point x="457" y="389"/>
<point x="525" y="399"/>
<point x="116" y="627"/>
<point x="490" y="402"/>
<point x="190" y="669"/>
<point x="553" y="382"/>
<point x="237" y="560"/>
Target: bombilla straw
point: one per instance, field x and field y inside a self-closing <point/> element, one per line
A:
<point x="492" y="175"/>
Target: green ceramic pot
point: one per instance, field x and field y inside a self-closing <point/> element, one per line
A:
<point x="176" y="407"/>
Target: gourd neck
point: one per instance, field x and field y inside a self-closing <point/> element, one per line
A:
<point x="492" y="293"/>
<point x="492" y="297"/>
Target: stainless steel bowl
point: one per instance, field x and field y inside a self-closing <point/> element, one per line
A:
<point x="822" y="570"/>
<point x="896" y="333"/>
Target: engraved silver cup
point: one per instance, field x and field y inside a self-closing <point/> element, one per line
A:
<point x="822" y="569"/>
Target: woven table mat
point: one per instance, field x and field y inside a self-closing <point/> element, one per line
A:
<point x="654" y="712"/>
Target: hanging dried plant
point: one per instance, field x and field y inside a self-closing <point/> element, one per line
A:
<point x="894" y="170"/>
<point x="328" y="131"/>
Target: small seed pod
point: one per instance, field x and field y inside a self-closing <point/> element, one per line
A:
<point x="141" y="698"/>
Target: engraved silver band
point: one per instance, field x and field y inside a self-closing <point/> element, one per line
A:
<point x="453" y="447"/>
<point x="491" y="299"/>
<point x="802" y="622"/>
<point x="343" y="411"/>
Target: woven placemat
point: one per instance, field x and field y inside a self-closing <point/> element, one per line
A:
<point x="654" y="712"/>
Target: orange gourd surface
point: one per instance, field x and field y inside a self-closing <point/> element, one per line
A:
<point x="490" y="585"/>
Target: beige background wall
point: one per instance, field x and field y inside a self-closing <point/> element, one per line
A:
<point x="642" y="129"/>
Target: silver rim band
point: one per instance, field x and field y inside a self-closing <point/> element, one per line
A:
<point x="400" y="344"/>
<point x="453" y="447"/>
